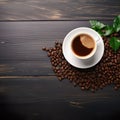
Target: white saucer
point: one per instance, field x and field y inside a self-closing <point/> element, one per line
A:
<point x="74" y="61"/>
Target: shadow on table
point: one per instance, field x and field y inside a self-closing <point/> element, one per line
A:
<point x="6" y="110"/>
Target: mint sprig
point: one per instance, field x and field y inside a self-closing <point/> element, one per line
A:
<point x="116" y="24"/>
<point x="96" y="25"/>
<point x="108" y="30"/>
<point x="115" y="43"/>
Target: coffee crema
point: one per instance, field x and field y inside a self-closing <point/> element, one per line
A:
<point x="83" y="45"/>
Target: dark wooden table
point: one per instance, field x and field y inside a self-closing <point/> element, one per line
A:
<point x="29" y="89"/>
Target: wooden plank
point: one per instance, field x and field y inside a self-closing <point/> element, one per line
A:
<point x="49" y="88"/>
<point x="46" y="97"/>
<point x="58" y="10"/>
<point x="24" y="40"/>
<point x="21" y="45"/>
<point x="26" y="68"/>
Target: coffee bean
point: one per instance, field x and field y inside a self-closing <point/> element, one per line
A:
<point x="92" y="90"/>
<point x="116" y="34"/>
<point x="106" y="72"/>
<point x="44" y="48"/>
<point x="82" y="88"/>
<point x="115" y="88"/>
<point x="60" y="78"/>
<point x="75" y="84"/>
<point x="49" y="55"/>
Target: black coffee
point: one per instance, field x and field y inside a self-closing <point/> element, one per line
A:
<point x="82" y="45"/>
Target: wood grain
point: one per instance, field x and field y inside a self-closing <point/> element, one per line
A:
<point x="21" y="45"/>
<point x="46" y="97"/>
<point x="58" y="9"/>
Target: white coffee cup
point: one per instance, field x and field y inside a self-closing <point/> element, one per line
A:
<point x="86" y="61"/>
<point x="91" y="34"/>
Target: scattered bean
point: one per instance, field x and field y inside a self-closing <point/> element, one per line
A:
<point x="106" y="72"/>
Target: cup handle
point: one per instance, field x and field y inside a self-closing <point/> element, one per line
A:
<point x="97" y="40"/>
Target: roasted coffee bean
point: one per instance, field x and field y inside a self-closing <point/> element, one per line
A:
<point x="44" y="48"/>
<point x="115" y="88"/>
<point x="116" y="34"/>
<point x="82" y="88"/>
<point x="49" y="55"/>
<point x="106" y="72"/>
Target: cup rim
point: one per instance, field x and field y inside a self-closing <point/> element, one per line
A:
<point x="87" y="56"/>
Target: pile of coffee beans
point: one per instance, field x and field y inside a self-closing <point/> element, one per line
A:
<point x="106" y="72"/>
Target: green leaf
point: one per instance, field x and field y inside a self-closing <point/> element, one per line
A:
<point x="100" y="32"/>
<point x="108" y="30"/>
<point x="115" y="43"/>
<point x="116" y="24"/>
<point x="96" y="25"/>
